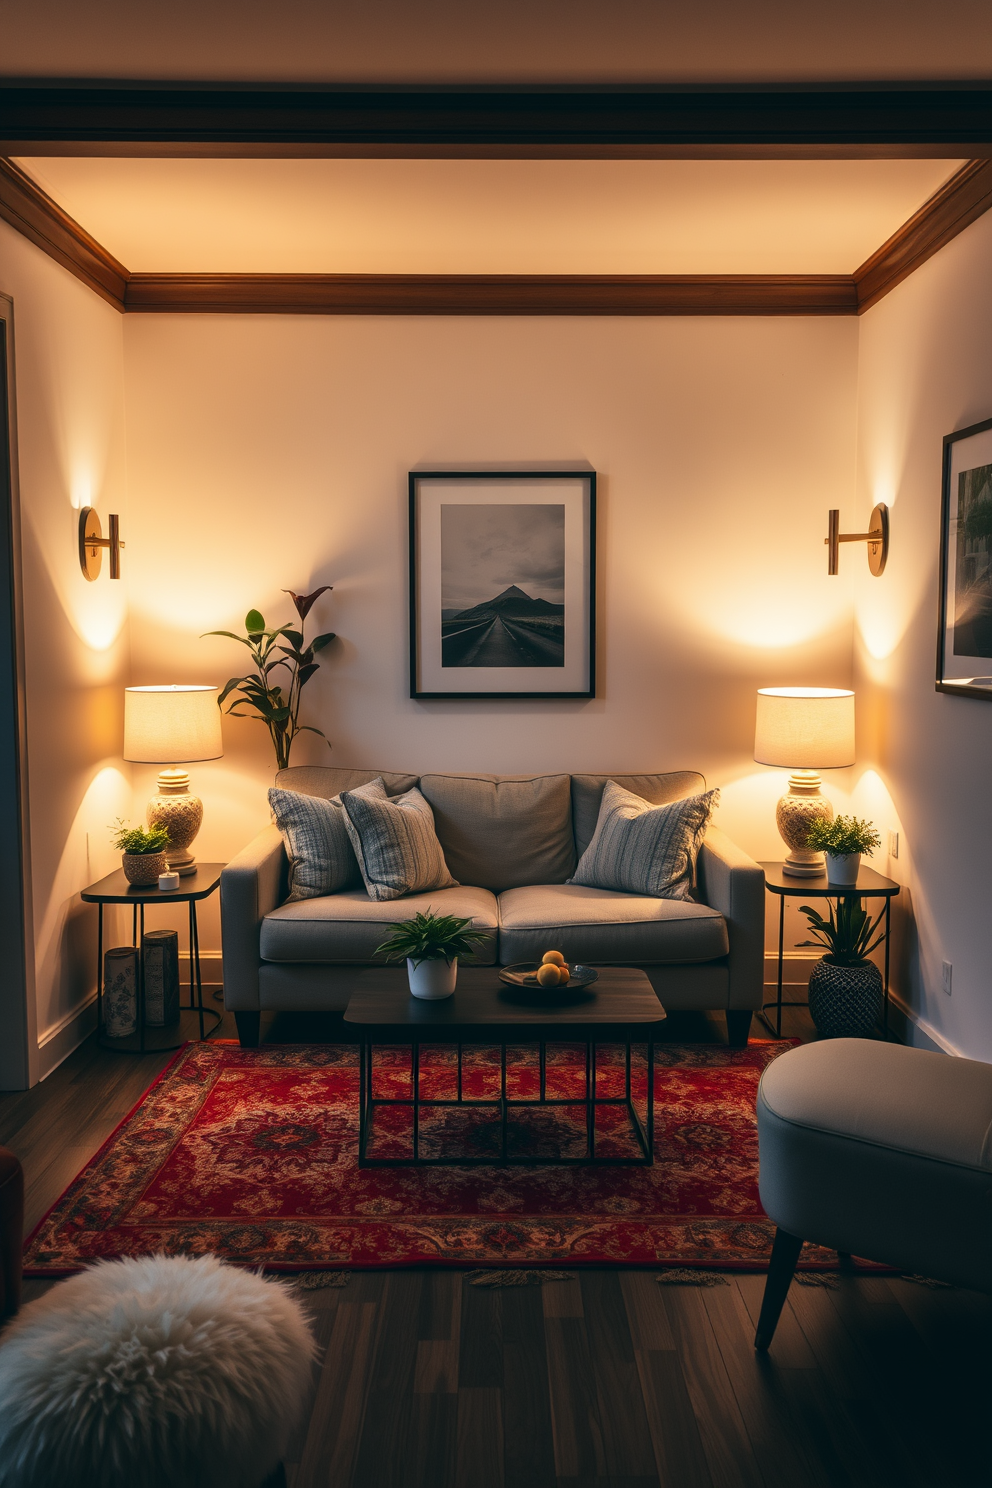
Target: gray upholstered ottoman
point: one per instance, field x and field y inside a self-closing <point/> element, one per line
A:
<point x="878" y="1150"/>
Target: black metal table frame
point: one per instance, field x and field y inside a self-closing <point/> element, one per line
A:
<point x="369" y="1102"/>
<point x="842" y="893"/>
<point x="195" y="1003"/>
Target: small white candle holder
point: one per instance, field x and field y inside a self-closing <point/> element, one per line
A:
<point x="168" y="880"/>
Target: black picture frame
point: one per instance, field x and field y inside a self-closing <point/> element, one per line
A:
<point x="959" y="677"/>
<point x="430" y="645"/>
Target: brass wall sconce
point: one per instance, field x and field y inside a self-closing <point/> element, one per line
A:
<point x="877" y="538"/>
<point x="92" y="541"/>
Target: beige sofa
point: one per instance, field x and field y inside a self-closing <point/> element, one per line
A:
<point x="511" y="842"/>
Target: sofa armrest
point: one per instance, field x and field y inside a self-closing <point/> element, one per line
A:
<point x="733" y="883"/>
<point x="252" y="884"/>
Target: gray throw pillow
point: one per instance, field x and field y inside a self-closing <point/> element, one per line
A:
<point x="321" y="858"/>
<point x="643" y="849"/>
<point x="395" y="842"/>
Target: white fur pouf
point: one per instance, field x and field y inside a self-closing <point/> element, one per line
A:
<point x="162" y="1372"/>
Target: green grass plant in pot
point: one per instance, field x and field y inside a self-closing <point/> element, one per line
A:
<point x="431" y="945"/>
<point x="142" y="852"/>
<point x="845" y="988"/>
<point x="843" y="840"/>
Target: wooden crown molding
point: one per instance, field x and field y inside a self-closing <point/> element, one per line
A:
<point x="959" y="202"/>
<point x="949" y="211"/>
<point x="67" y="116"/>
<point x="43" y="221"/>
<point x="493" y="294"/>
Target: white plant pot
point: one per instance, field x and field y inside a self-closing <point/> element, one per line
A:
<point x="432" y="980"/>
<point x="843" y="869"/>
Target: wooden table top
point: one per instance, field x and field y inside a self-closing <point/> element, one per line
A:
<point x="620" y="1000"/>
<point x="115" y="889"/>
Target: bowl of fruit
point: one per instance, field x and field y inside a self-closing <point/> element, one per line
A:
<point x="552" y="974"/>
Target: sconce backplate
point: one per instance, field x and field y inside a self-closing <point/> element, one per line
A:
<point x="90" y="543"/>
<point x="878" y="550"/>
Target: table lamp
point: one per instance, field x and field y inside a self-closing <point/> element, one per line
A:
<point x="804" y="729"/>
<point x="173" y="726"/>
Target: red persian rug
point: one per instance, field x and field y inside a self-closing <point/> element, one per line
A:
<point x="252" y="1154"/>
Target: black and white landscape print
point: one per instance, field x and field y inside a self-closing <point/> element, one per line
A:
<point x="503" y="585"/>
<point x="973" y="569"/>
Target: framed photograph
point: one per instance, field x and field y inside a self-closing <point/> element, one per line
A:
<point x="964" y="634"/>
<point x="502" y="584"/>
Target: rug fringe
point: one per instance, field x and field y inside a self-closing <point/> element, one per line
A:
<point x="313" y="1281"/>
<point x="829" y="1279"/>
<point x="515" y="1278"/>
<point x="928" y="1281"/>
<point x="689" y="1276"/>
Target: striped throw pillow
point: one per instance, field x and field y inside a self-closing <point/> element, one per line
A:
<point x="321" y="858"/>
<point x="643" y="849"/>
<point x="395" y="842"/>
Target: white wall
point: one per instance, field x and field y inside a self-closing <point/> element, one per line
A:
<point x="926" y="370"/>
<point x="271" y="452"/>
<point x="70" y="404"/>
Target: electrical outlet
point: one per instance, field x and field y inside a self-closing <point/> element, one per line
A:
<point x="893" y="844"/>
<point x="945" y="976"/>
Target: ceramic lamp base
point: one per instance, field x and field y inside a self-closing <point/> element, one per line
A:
<point x="795" y="814"/>
<point x="181" y="813"/>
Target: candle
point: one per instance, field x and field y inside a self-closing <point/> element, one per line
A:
<point x="168" y="880"/>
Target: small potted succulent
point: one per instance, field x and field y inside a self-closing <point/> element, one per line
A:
<point x="431" y="945"/>
<point x="845" y="988"/>
<point x="142" y="852"/>
<point x="843" y="840"/>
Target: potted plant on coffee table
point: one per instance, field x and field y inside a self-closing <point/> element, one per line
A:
<point x="142" y="852"/>
<point x="431" y="945"/>
<point x="845" y="988"/>
<point x="843" y="840"/>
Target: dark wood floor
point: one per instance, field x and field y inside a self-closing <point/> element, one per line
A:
<point x="607" y="1380"/>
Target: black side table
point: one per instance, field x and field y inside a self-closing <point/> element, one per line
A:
<point x="115" y="889"/>
<point x="870" y="885"/>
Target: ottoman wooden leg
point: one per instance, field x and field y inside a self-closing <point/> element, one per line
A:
<point x="781" y="1269"/>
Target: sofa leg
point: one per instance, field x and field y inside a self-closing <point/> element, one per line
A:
<point x="249" y="1025"/>
<point x="781" y="1269"/>
<point x="738" y="1028"/>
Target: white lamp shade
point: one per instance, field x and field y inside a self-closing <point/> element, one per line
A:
<point x="805" y="728"/>
<point x="171" y="725"/>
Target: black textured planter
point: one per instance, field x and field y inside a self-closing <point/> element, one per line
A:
<point x="845" y="1001"/>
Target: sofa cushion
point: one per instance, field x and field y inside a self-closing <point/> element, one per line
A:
<point x="587" y="793"/>
<point x="503" y="831"/>
<point x="395" y="842"/>
<point x="590" y="925"/>
<point x="638" y="848"/>
<point x="344" y="928"/>
<point x="321" y="858"/>
<point x="330" y="780"/>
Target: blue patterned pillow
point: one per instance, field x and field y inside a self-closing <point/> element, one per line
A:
<point x="638" y="848"/>
<point x="321" y="858"/>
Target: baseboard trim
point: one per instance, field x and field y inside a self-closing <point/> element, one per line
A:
<point x="59" y="1042"/>
<point x="916" y="1031"/>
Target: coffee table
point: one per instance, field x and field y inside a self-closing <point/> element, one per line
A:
<point x="620" y="1008"/>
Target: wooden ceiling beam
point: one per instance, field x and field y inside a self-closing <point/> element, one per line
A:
<point x="58" y="117"/>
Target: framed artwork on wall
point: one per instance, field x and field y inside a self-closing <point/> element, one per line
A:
<point x="502" y="584"/>
<point x="964" y="631"/>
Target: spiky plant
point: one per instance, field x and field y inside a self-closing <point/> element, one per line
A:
<point x="845" y="834"/>
<point x="282" y="646"/>
<point x="138" y="841"/>
<point x="430" y="937"/>
<point x="847" y="933"/>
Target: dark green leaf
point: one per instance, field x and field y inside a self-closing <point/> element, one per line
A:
<point x="229" y="686"/>
<point x="255" y="623"/>
<point x="307" y="672"/>
<point x="319" y="642"/>
<point x="229" y="634"/>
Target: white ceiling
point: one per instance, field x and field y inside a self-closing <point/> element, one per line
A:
<point x="490" y="216"/>
<point x="434" y="41"/>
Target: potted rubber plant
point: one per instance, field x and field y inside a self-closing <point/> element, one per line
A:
<point x="431" y="945"/>
<point x="845" y="988"/>
<point x="142" y="852"/>
<point x="843" y="840"/>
